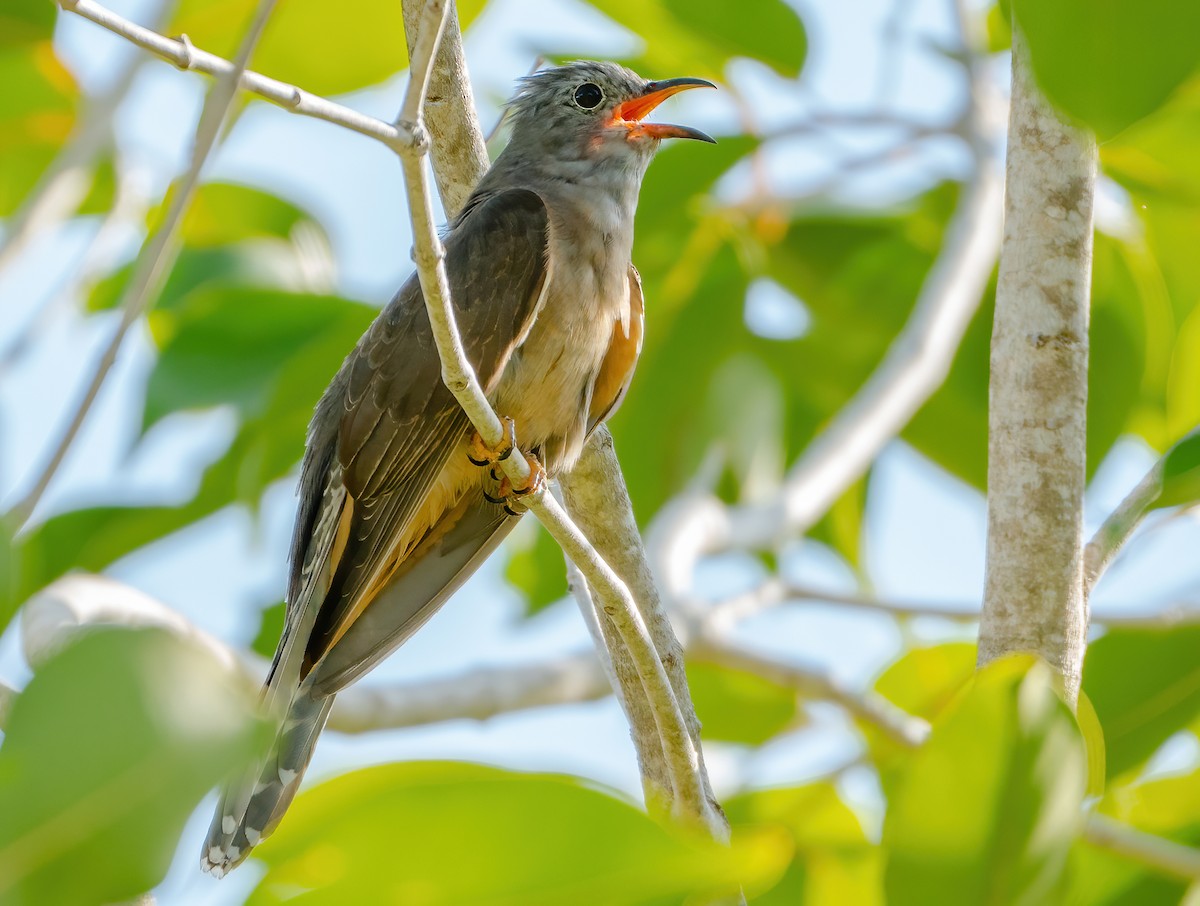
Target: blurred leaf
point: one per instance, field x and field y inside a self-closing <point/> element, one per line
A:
<point x="1181" y="473"/>
<point x="1145" y="686"/>
<point x="1093" y="740"/>
<point x="222" y="213"/>
<point x="36" y="120"/>
<point x="1156" y="157"/>
<point x="834" y="862"/>
<point x="536" y="567"/>
<point x="989" y="806"/>
<point x="922" y="682"/>
<point x="700" y="37"/>
<point x="24" y="22"/>
<point x="347" y="61"/>
<point x="530" y="839"/>
<point x="232" y="344"/>
<point x="1109" y="64"/>
<point x="102" y="194"/>
<point x="270" y="629"/>
<point x="999" y="27"/>
<point x="739" y="706"/>
<point x="106" y="753"/>
<point x="1168" y="807"/>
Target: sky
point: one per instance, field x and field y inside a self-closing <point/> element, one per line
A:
<point x="926" y="530"/>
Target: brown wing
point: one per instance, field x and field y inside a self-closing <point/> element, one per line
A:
<point x="387" y="425"/>
<point x="616" y="371"/>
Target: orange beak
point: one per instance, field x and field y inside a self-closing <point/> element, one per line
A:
<point x="631" y="113"/>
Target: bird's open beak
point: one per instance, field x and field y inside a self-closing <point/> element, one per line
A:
<point x="631" y="113"/>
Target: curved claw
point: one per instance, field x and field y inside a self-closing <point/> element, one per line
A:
<point x="480" y="454"/>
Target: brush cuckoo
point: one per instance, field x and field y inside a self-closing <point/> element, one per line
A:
<point x="395" y="511"/>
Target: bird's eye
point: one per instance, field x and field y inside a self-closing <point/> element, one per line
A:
<point x="588" y="95"/>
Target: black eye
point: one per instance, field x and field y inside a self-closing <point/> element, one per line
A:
<point x="588" y="95"/>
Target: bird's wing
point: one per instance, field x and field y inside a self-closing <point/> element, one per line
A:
<point x="387" y="426"/>
<point x="616" y="371"/>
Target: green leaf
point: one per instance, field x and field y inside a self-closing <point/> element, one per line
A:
<point x="106" y="753"/>
<point x="1145" y="686"/>
<point x="1110" y="63"/>
<point x="989" y="806"/>
<point x="833" y="862"/>
<point x="270" y="630"/>
<point x="1181" y="473"/>
<point x="536" y="567"/>
<point x="361" y="42"/>
<point x="34" y="121"/>
<point x="231" y="345"/>
<point x="700" y="37"/>
<point x="1156" y="157"/>
<point x="24" y="22"/>
<point x="1093" y="740"/>
<point x="103" y="192"/>
<point x="223" y="213"/>
<point x="922" y="682"/>
<point x="739" y="706"/>
<point x="529" y="839"/>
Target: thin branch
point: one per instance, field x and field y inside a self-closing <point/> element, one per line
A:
<point x="1034" y="596"/>
<point x="185" y="55"/>
<point x="1119" y="527"/>
<point x="690" y="802"/>
<point x="8" y="695"/>
<point x="160" y="253"/>
<point x="1164" y="856"/>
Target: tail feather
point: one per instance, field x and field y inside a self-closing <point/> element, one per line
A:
<point x="251" y="809"/>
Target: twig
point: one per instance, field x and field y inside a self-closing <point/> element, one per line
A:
<point x="1034" y="594"/>
<point x="690" y="802"/>
<point x="160" y="253"/>
<point x="186" y="56"/>
<point x="1120" y="525"/>
<point x="1164" y="856"/>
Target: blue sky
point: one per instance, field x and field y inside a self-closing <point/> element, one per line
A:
<point x="926" y="531"/>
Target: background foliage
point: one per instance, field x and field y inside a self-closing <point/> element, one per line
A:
<point x="253" y="320"/>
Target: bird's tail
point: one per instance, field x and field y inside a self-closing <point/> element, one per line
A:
<point x="250" y="809"/>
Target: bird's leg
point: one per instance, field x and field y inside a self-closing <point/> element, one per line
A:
<point x="481" y="454"/>
<point x="510" y="497"/>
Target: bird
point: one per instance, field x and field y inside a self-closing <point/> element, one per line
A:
<point x="399" y="499"/>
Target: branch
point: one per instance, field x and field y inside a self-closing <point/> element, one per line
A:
<point x="1164" y="856"/>
<point x="690" y="802"/>
<point x="1118" y="528"/>
<point x="183" y="54"/>
<point x="8" y="695"/>
<point x="1034" y="597"/>
<point x="159" y="255"/>
<point x="459" y="155"/>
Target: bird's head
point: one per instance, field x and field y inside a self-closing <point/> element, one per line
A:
<point x="594" y="111"/>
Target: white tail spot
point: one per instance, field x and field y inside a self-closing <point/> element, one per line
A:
<point x="253" y="836"/>
<point x="287" y="776"/>
<point x="228" y="824"/>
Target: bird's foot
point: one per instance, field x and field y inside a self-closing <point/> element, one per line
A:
<point x="481" y="454"/>
<point x="511" y="498"/>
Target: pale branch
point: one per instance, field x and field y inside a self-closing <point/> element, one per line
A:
<point x="1120" y="525"/>
<point x="158" y="256"/>
<point x="1034" y="595"/>
<point x="596" y="497"/>
<point x="8" y="695"/>
<point x="187" y="56"/>
<point x="459" y="154"/>
<point x="626" y="685"/>
<point x="690" y="802"/>
<point x="1164" y="856"/>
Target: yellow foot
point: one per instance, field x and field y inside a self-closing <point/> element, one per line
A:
<point x="481" y="454"/>
<point x="509" y="497"/>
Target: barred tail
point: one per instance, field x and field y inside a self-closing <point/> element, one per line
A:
<point x="249" y="810"/>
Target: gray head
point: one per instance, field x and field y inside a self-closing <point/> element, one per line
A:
<point x="593" y="112"/>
